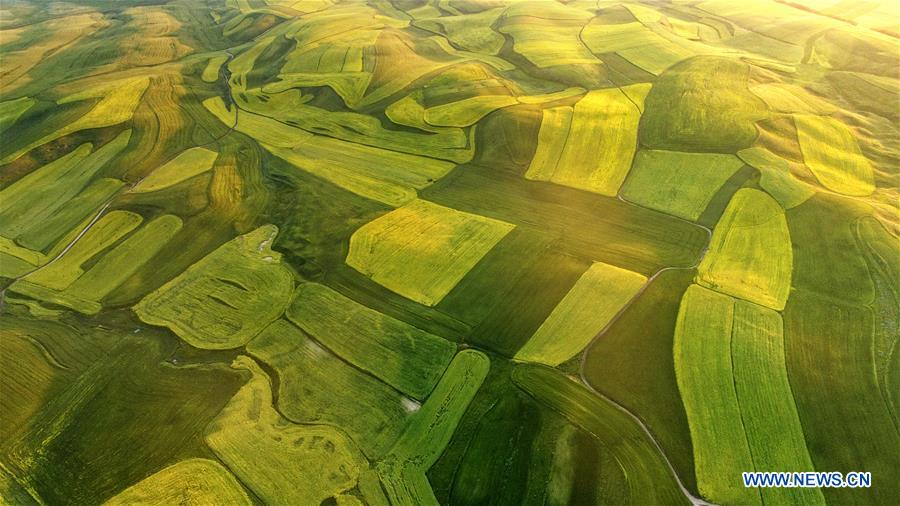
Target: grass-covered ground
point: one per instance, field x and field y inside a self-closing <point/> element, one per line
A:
<point x="407" y="252"/>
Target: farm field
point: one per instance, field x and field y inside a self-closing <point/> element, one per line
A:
<point x="448" y="252"/>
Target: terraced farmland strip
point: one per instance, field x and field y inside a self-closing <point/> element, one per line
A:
<point x="315" y="386"/>
<point x="191" y="481"/>
<point x="590" y="305"/>
<point x="44" y="193"/>
<point x="41" y="235"/>
<point x="681" y="184"/>
<point x="422" y="250"/>
<point x="703" y="368"/>
<point x="648" y="477"/>
<point x="59" y="274"/>
<point x="12" y="110"/>
<point x="399" y="354"/>
<point x="750" y="253"/>
<point x="226" y="298"/>
<point x="466" y="112"/>
<point x="381" y="175"/>
<point x="833" y="155"/>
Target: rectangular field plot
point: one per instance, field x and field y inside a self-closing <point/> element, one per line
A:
<point x="588" y="226"/>
<point x="681" y="184"/>
<point x="703" y="368"/>
<point x="422" y="250"/>
<point x="591" y="146"/>
<point x="399" y="354"/>
<point x="730" y="365"/>
<point x="590" y="305"/>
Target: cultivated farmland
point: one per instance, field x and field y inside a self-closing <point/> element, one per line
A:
<point x="456" y="252"/>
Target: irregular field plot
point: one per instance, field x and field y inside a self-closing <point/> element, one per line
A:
<point x="632" y="365"/>
<point x="681" y="184"/>
<point x="272" y="455"/>
<point x="750" y="253"/>
<point x="429" y="430"/>
<point x="587" y="226"/>
<point x="186" y="165"/>
<point x="776" y="178"/>
<point x="315" y="386"/>
<point x="189" y="482"/>
<point x="832" y="153"/>
<point x="636" y="43"/>
<point x="590" y="305"/>
<point x="845" y="422"/>
<point x="399" y="354"/>
<point x="226" y="298"/>
<point x="648" y="479"/>
<point x="702" y="104"/>
<point x="422" y="250"/>
<point x="118" y="101"/>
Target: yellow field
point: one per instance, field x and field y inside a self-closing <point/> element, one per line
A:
<point x="466" y="112"/>
<point x="593" y="150"/>
<point x="59" y="274"/>
<point x="282" y="462"/>
<point x="192" y="482"/>
<point x="636" y="43"/>
<point x="597" y="297"/>
<point x="776" y="178"/>
<point x="118" y="100"/>
<point x="227" y="297"/>
<point x="211" y="71"/>
<point x="832" y="154"/>
<point x="186" y="165"/>
<point x="750" y="255"/>
<point x="422" y="250"/>
<point x="379" y="174"/>
<point x="265" y="130"/>
<point x="702" y="353"/>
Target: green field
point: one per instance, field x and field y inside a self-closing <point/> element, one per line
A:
<point x="456" y="252"/>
